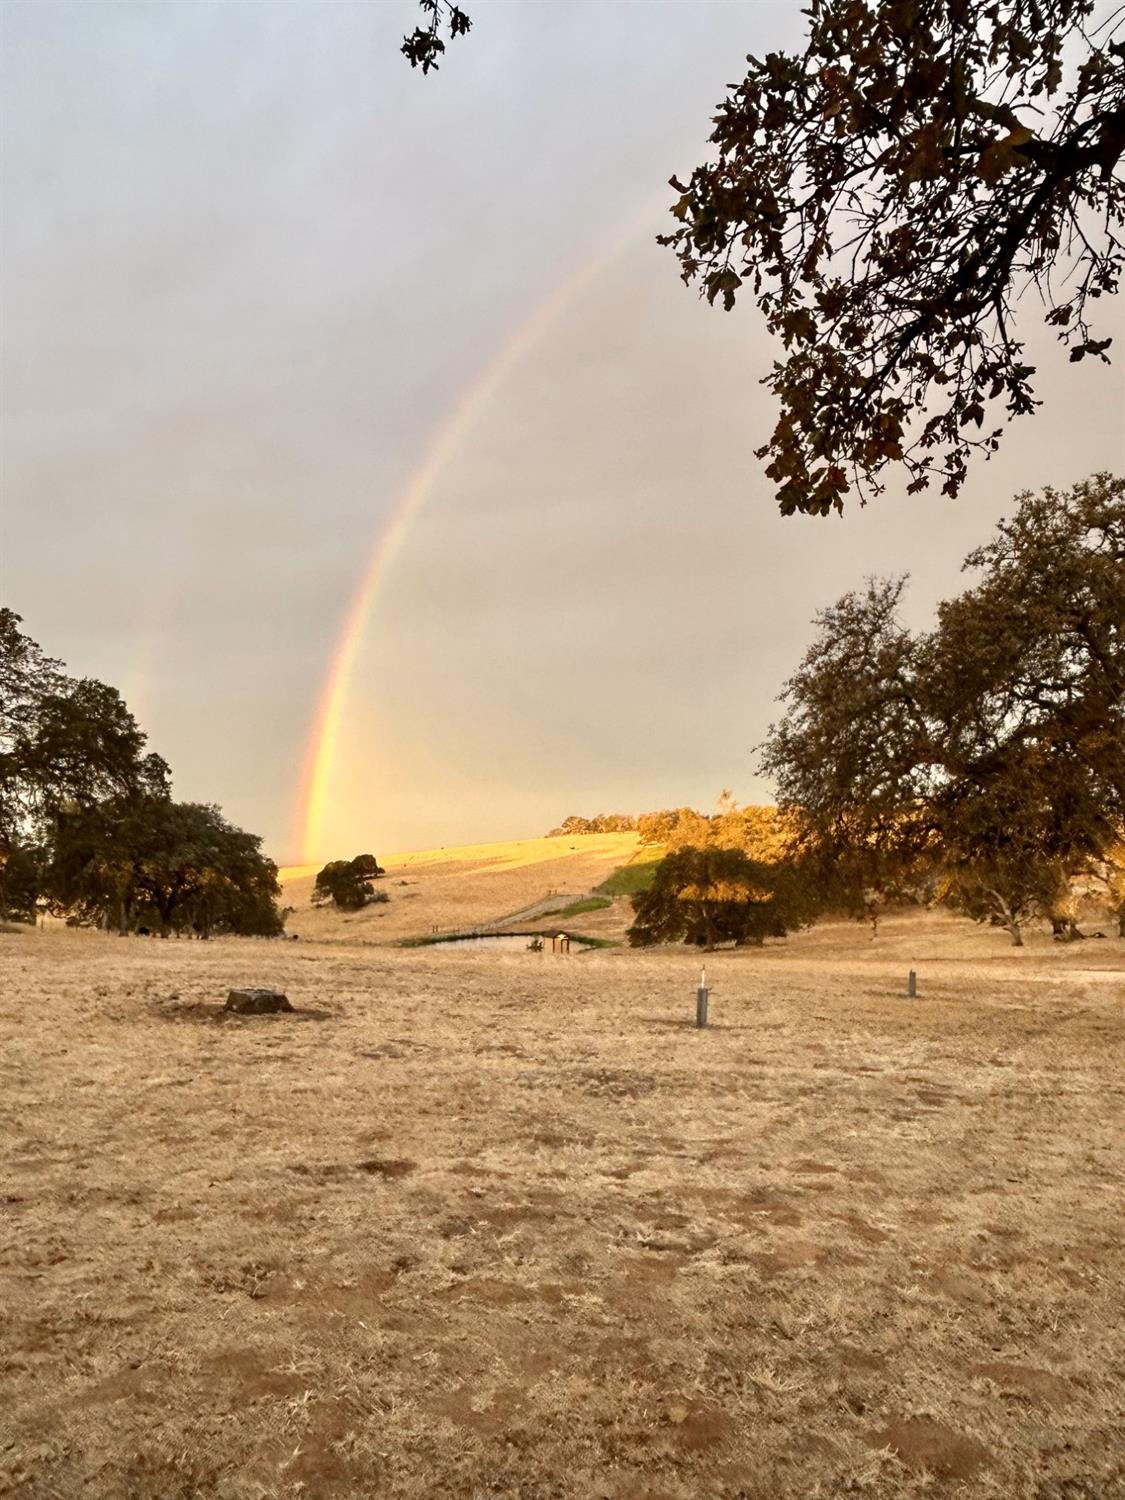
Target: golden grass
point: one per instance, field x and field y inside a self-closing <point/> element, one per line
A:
<point x="506" y="1225"/>
<point x="452" y="889"/>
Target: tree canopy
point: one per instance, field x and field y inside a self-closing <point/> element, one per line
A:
<point x="349" y="883"/>
<point x="713" y="895"/>
<point x="164" y="865"/>
<point x="886" y="197"/>
<point x="63" y="741"/>
<point x="850" y="757"/>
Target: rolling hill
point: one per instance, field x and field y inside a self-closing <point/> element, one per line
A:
<point x="521" y="882"/>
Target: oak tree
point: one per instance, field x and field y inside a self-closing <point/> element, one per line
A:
<point x="1024" y="687"/>
<point x="87" y="821"/>
<point x="147" y="860"/>
<point x="713" y="895"/>
<point x="987" y="756"/>
<point x="348" y="883"/>
<point x="851" y="758"/>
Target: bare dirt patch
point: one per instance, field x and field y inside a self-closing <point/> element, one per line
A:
<point x="925" y="1444"/>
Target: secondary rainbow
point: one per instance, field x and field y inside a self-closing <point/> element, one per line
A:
<point x="325" y="733"/>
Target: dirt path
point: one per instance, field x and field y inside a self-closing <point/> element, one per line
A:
<point x="543" y="908"/>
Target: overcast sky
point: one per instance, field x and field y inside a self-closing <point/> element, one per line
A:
<point x="251" y="264"/>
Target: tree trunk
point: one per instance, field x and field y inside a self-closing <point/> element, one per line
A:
<point x="871" y="914"/>
<point x="165" y="903"/>
<point x="1008" y="918"/>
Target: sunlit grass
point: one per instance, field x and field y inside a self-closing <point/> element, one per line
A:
<point x="634" y="877"/>
<point x="588" y="903"/>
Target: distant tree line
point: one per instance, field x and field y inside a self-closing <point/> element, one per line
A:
<point x="602" y="823"/>
<point x="89" y="829"/>
<point x="733" y="827"/>
<point x="757" y="831"/>
<point x="727" y="876"/>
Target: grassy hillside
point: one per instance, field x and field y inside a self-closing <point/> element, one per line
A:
<point x="471" y="886"/>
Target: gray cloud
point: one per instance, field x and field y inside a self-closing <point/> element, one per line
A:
<point x="250" y="262"/>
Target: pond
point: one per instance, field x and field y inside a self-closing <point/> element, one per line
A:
<point x="512" y="942"/>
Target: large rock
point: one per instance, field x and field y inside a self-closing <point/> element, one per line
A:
<point x="254" y="1002"/>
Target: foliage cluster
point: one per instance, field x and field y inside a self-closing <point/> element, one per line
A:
<point x="349" y="883"/>
<point x="755" y="840"/>
<point x="425" y="44"/>
<point x="758" y="830"/>
<point x="88" y="826"/>
<point x="710" y="895"/>
<point x="886" y="197"/>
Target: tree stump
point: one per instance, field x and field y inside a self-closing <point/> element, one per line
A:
<point x="257" y="1002"/>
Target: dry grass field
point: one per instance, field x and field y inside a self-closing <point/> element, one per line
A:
<point x="498" y="1224"/>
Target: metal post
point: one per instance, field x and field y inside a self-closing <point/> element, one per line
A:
<point x="912" y="986"/>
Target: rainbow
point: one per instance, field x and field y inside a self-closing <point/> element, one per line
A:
<point x="325" y="733"/>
